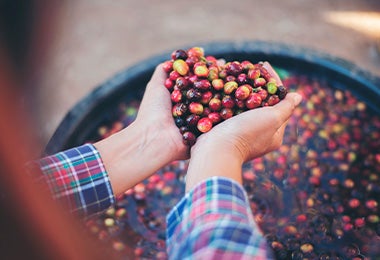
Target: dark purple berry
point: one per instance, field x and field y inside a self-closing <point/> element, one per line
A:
<point x="188" y="138"/>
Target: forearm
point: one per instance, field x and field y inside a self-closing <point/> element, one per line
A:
<point x="133" y="154"/>
<point x="208" y="160"/>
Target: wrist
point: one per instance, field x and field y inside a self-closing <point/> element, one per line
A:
<point x="132" y="155"/>
<point x="209" y="160"/>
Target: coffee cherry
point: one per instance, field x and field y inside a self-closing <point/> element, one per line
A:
<point x="181" y="67"/>
<point x="174" y="75"/>
<point x="230" y="87"/>
<point x="202" y="84"/>
<point x="272" y="100"/>
<point x="188" y="138"/>
<point x="204" y="124"/>
<point x="193" y="94"/>
<point x="182" y="83"/>
<point x="169" y="84"/>
<point x="195" y="52"/>
<point x="206" y="97"/>
<point x="242" y="92"/>
<point x="271" y="88"/>
<point x="247" y="65"/>
<point x="259" y="82"/>
<point x="179" y="54"/>
<point x="167" y="66"/>
<point x="226" y="113"/>
<point x="176" y="96"/>
<point x="215" y="104"/>
<point x="281" y="92"/>
<point x="228" y="101"/>
<point x="253" y="74"/>
<point x="179" y="109"/>
<point x="196" y="108"/>
<point x="179" y="122"/>
<point x="234" y="68"/>
<point x="192" y="120"/>
<point x="253" y="101"/>
<point x="215" y="117"/>
<point x="201" y="71"/>
<point x="217" y="84"/>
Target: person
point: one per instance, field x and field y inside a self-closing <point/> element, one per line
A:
<point x="213" y="220"/>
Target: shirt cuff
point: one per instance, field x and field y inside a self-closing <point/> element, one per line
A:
<point x="215" y="219"/>
<point x="78" y="178"/>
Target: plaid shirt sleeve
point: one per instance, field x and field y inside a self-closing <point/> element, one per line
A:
<point x="77" y="178"/>
<point x="214" y="221"/>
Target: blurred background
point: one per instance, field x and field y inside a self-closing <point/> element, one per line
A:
<point x="78" y="44"/>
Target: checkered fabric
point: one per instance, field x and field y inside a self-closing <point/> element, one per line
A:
<point x="214" y="221"/>
<point x="77" y="177"/>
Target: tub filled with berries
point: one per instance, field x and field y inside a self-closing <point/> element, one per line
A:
<point x="316" y="197"/>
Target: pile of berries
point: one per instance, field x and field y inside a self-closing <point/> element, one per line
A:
<point x="205" y="92"/>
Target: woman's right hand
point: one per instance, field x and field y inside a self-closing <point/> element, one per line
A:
<point x="223" y="150"/>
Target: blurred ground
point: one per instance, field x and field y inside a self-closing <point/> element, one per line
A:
<point x="94" y="39"/>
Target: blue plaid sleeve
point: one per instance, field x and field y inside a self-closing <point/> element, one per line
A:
<point x="214" y="221"/>
<point x="77" y="178"/>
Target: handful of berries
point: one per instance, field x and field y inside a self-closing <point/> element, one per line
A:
<point x="204" y="91"/>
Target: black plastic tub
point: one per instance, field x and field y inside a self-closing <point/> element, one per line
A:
<point x="324" y="181"/>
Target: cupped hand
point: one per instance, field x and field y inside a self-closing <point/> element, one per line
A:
<point x="155" y="116"/>
<point x="251" y="134"/>
<point x="255" y="132"/>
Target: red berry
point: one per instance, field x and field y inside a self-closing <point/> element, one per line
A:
<point x="228" y="101"/>
<point x="217" y="84"/>
<point x="188" y="138"/>
<point x="215" y="117"/>
<point x="273" y="100"/>
<point x="230" y="87"/>
<point x="247" y="65"/>
<point x="193" y="94"/>
<point x="179" y="109"/>
<point x="206" y="97"/>
<point x="182" y="82"/>
<point x="253" y="74"/>
<point x="234" y="68"/>
<point x="176" y="96"/>
<point x="174" y="75"/>
<point x="196" y="108"/>
<point x="215" y="104"/>
<point x="253" y="101"/>
<point x="259" y="82"/>
<point x="196" y="52"/>
<point x="204" y="124"/>
<point x="242" y="92"/>
<point x="226" y="113"/>
<point x="202" y="84"/>
<point x="167" y="66"/>
<point x="169" y="84"/>
<point x="201" y="71"/>
<point x="191" y="60"/>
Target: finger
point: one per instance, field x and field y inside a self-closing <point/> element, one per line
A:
<point x="286" y="106"/>
<point x="159" y="76"/>
<point x="273" y="73"/>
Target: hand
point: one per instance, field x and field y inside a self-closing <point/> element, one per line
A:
<point x="223" y="150"/>
<point x="149" y="143"/>
<point x="155" y="117"/>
